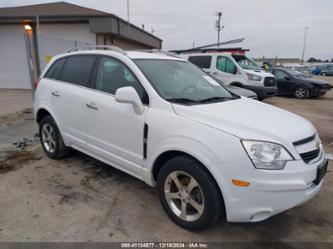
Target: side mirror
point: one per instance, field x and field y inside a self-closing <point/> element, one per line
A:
<point x="287" y="78"/>
<point x="235" y="70"/>
<point x="130" y="96"/>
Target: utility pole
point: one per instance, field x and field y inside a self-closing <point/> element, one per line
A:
<point x="128" y="16"/>
<point x="304" y="44"/>
<point x="218" y="27"/>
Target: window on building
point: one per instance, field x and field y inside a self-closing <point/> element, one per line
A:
<point x="78" y="68"/>
<point x="201" y="61"/>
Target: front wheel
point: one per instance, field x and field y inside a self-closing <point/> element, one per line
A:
<point x="301" y="92"/>
<point x="189" y="194"/>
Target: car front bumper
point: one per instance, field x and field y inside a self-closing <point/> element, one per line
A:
<point x="272" y="192"/>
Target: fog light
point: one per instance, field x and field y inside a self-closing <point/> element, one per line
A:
<point x="240" y="183"/>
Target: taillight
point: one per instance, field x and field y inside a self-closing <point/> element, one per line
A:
<point x="37" y="82"/>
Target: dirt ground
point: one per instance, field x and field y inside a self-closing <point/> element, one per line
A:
<point x="81" y="199"/>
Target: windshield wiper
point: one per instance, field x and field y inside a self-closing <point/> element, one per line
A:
<point x="215" y="99"/>
<point x="182" y="100"/>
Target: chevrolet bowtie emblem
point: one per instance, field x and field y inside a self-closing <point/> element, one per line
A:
<point x="318" y="144"/>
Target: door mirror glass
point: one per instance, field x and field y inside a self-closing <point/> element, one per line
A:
<point x="130" y="96"/>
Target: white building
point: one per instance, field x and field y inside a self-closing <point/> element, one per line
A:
<point x="43" y="30"/>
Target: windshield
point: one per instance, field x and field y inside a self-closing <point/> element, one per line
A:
<point x="245" y="62"/>
<point x="295" y="73"/>
<point x="182" y="82"/>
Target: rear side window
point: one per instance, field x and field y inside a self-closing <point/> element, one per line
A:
<point x="201" y="61"/>
<point x="78" y="68"/>
<point x="55" y="70"/>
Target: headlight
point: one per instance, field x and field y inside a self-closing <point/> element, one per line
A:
<point x="253" y="77"/>
<point x="266" y="155"/>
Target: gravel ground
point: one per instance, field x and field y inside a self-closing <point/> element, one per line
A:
<point x="81" y="199"/>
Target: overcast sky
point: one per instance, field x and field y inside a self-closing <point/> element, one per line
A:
<point x="271" y="27"/>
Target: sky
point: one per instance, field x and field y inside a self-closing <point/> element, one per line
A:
<point x="270" y="27"/>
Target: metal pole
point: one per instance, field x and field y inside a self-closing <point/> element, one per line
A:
<point x="218" y="25"/>
<point x="304" y="44"/>
<point x="30" y="63"/>
<point x="128" y="16"/>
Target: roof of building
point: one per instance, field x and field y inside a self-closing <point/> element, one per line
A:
<point x="63" y="12"/>
<point x="50" y="9"/>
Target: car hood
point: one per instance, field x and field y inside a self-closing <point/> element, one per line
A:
<point x="249" y="119"/>
<point x="241" y="91"/>
<point x="314" y="81"/>
<point x="259" y="72"/>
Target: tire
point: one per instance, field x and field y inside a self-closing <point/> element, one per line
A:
<point x="323" y="74"/>
<point x="204" y="193"/>
<point x="301" y="92"/>
<point x="51" y="140"/>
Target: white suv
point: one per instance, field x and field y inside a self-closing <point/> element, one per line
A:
<point x="161" y="119"/>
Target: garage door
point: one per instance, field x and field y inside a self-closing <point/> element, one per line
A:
<point x="13" y="60"/>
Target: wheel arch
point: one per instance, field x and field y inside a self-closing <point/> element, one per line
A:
<point x="162" y="158"/>
<point x="237" y="83"/>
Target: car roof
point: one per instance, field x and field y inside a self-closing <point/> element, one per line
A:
<point x="132" y="54"/>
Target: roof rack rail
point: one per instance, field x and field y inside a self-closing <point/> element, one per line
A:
<point x="91" y="47"/>
<point x="168" y="53"/>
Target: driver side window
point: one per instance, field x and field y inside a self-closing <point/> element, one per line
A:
<point x="113" y="74"/>
<point x="224" y="64"/>
<point x="280" y="74"/>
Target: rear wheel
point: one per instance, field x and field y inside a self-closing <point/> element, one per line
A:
<point x="323" y="74"/>
<point x="189" y="194"/>
<point x="301" y="92"/>
<point x="51" y="139"/>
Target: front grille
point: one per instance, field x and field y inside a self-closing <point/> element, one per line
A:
<point x="270" y="81"/>
<point x="304" y="140"/>
<point x="309" y="156"/>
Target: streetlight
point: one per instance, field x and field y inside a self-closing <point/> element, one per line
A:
<point x="304" y="44"/>
<point x="27" y="27"/>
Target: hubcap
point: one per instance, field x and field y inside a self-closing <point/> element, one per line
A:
<point x="49" y="138"/>
<point x="300" y="93"/>
<point x="184" y="196"/>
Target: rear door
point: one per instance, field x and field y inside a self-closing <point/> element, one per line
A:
<point x="116" y="132"/>
<point x="69" y="95"/>
<point x="202" y="61"/>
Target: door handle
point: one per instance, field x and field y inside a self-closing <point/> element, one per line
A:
<point x="92" y="106"/>
<point x="55" y="94"/>
<point x="214" y="73"/>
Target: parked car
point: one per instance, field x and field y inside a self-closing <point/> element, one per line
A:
<point x="293" y="83"/>
<point x="238" y="90"/>
<point x="236" y="70"/>
<point x="327" y="70"/>
<point x="316" y="70"/>
<point x="242" y="91"/>
<point x="163" y="120"/>
<point x="305" y="70"/>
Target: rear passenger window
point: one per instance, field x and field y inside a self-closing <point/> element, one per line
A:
<point x="113" y="74"/>
<point x="201" y="61"/>
<point x="55" y="70"/>
<point x="78" y="68"/>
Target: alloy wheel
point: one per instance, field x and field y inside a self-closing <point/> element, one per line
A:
<point x="184" y="196"/>
<point x="300" y="93"/>
<point x="49" y="138"/>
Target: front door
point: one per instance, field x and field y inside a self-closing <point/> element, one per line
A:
<point x="115" y="131"/>
<point x="284" y="82"/>
<point x="224" y="69"/>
